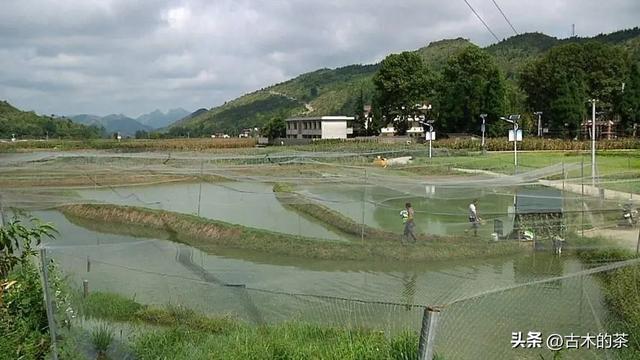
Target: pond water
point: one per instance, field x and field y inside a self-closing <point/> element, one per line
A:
<point x="274" y="289"/>
<point x="245" y="203"/>
<point x="439" y="211"/>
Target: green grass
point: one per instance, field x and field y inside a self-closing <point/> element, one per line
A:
<point x="185" y="334"/>
<point x="610" y="164"/>
<point x="114" y="307"/>
<point x="209" y="235"/>
<point x="621" y="289"/>
<point x="287" y="341"/>
<point x="106" y="306"/>
<point x="101" y="338"/>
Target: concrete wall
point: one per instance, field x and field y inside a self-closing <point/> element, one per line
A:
<point x="334" y="129"/>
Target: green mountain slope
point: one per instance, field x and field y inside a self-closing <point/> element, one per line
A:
<point x="321" y="92"/>
<point x="27" y="124"/>
<point x="437" y="53"/>
<point x="335" y="91"/>
<point x="513" y="53"/>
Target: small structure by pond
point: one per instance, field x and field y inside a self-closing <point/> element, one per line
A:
<point x="539" y="217"/>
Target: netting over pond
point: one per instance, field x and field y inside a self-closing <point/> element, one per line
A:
<point x="565" y="299"/>
<point x="272" y="237"/>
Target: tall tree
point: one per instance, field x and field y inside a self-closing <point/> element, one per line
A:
<point x="402" y="81"/>
<point x="471" y="84"/>
<point x="630" y="107"/>
<point x="568" y="108"/>
<point x="358" y="113"/>
<point x="275" y="128"/>
<point x="565" y="72"/>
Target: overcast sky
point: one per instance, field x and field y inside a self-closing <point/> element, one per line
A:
<point x="131" y="57"/>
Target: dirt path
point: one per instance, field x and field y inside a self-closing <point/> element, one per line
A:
<point x="307" y="106"/>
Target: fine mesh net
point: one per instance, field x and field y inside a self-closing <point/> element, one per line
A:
<point x="269" y="237"/>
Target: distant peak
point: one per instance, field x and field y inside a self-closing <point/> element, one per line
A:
<point x="444" y="42"/>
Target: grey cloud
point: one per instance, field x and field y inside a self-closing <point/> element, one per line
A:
<point x="106" y="56"/>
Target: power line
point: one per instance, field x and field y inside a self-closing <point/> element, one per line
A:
<point x="505" y="17"/>
<point x="483" y="23"/>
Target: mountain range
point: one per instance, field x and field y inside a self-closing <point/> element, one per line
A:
<point x="335" y="91"/>
<point x="157" y="119"/>
<point x="126" y="126"/>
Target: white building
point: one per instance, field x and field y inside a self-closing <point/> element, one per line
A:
<point x="415" y="128"/>
<point x="320" y="127"/>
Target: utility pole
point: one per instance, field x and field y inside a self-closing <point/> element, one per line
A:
<point x="3" y="220"/>
<point x="593" y="141"/>
<point x="49" y="303"/>
<point x="515" y="145"/>
<point x="513" y="119"/>
<point x="430" y="135"/>
<point x="539" y="113"/>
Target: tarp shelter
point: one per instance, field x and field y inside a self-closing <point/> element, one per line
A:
<point x="540" y="200"/>
<point x="539" y="214"/>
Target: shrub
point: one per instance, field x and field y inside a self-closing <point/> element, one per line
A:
<point x="101" y="338"/>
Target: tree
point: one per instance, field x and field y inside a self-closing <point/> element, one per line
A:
<point x="275" y="128"/>
<point x="358" y="113"/>
<point x="630" y="106"/>
<point x="568" y="108"/>
<point x="378" y="120"/>
<point x="589" y="70"/>
<point x="141" y="134"/>
<point x="471" y="84"/>
<point x="402" y="81"/>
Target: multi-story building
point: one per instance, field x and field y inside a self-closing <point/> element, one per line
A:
<point x="415" y="129"/>
<point x="320" y="127"/>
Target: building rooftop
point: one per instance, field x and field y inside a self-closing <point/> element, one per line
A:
<point x="322" y="118"/>
<point x="538" y="201"/>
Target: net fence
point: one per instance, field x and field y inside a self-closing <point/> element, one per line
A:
<point x="269" y="238"/>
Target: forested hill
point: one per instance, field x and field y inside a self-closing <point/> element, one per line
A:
<point x="27" y="124"/>
<point x="336" y="91"/>
<point x="321" y="92"/>
<point x="512" y="53"/>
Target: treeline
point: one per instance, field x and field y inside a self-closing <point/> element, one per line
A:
<point x="29" y="125"/>
<point x="558" y="83"/>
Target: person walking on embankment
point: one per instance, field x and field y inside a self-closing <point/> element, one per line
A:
<point x="408" y="217"/>
<point x="474" y="219"/>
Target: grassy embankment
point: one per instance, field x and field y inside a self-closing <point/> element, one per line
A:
<point x="621" y="289"/>
<point x="181" y="333"/>
<point x="331" y="218"/>
<point x="210" y="235"/>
